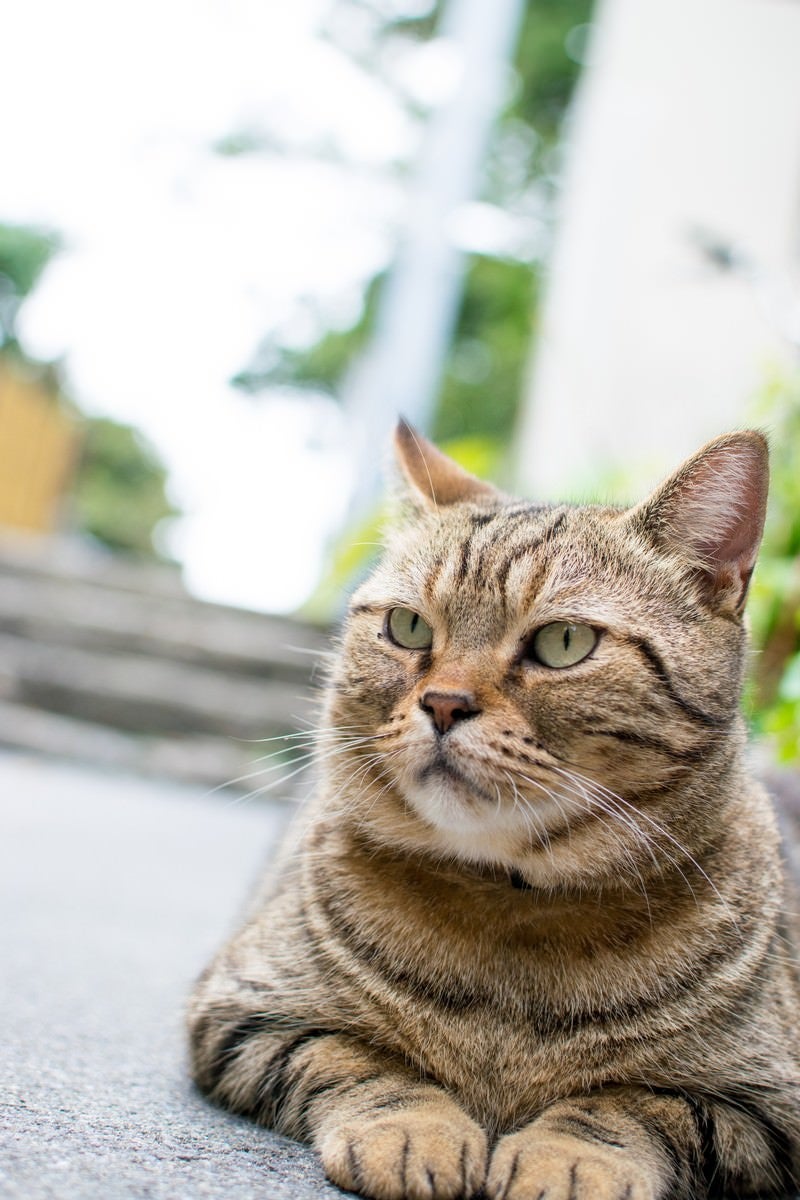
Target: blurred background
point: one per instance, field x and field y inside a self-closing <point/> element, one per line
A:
<point x="237" y="239"/>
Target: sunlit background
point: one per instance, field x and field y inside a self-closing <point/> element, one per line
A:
<point x="237" y="239"/>
<point x="214" y="175"/>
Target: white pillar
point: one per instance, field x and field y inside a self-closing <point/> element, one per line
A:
<point x="688" y="117"/>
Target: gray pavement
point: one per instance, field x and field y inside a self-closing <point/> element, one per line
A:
<point x="114" y="892"/>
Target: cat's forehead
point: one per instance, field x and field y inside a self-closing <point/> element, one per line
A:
<point x="477" y="543"/>
<point x="507" y="555"/>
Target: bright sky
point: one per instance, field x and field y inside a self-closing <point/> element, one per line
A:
<point x="179" y="260"/>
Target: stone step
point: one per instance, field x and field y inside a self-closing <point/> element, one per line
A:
<point x="145" y="694"/>
<point x="100" y="609"/>
<point x="115" y="663"/>
<point x="208" y="761"/>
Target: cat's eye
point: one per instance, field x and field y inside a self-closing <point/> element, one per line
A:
<point x="562" y="644"/>
<point x="407" y="629"/>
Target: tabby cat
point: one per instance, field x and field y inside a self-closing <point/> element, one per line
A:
<point x="533" y="941"/>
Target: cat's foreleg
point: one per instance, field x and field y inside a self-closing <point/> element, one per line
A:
<point x="637" y="1144"/>
<point x="378" y="1128"/>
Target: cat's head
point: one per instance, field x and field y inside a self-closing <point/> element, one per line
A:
<point x="521" y="682"/>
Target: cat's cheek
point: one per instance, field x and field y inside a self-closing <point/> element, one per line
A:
<point x="369" y="689"/>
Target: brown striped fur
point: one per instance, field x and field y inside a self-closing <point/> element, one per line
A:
<point x="545" y="950"/>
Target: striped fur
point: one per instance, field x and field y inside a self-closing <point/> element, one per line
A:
<point x="548" y="952"/>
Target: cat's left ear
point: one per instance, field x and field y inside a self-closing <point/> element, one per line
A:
<point x="710" y="513"/>
<point x="433" y="477"/>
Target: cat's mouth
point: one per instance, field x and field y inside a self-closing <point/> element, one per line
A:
<point x="464" y="810"/>
<point x="440" y="768"/>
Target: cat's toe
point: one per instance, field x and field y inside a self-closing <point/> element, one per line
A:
<point x="413" y="1155"/>
<point x="524" y="1167"/>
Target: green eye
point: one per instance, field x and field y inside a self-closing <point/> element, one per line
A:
<point x="408" y="629"/>
<point x="562" y="644"/>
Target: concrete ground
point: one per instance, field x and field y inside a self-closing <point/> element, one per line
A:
<point x="114" y="892"/>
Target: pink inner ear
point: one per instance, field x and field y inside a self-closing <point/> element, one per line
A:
<point x="715" y="508"/>
<point x="719" y="509"/>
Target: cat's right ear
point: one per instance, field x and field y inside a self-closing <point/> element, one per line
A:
<point x="432" y="477"/>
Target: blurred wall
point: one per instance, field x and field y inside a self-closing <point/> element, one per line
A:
<point x="688" y="118"/>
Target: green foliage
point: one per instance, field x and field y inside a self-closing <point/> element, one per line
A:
<point x="483" y="376"/>
<point x="320" y="368"/>
<point x="547" y="72"/>
<point x="775" y="595"/>
<point x="483" y="380"/>
<point x="391" y="18"/>
<point x="119" y="493"/>
<point x="24" y="254"/>
<point x="522" y="163"/>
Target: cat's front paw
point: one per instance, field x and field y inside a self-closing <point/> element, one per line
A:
<point x="527" y="1166"/>
<point x="416" y="1154"/>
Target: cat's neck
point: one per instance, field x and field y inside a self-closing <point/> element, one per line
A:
<point x="604" y="907"/>
<point x="623" y="846"/>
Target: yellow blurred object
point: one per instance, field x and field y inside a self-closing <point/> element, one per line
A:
<point x="38" y="443"/>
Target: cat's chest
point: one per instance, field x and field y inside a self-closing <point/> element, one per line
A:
<point x="505" y="1050"/>
<point x="484" y="999"/>
<point x="499" y="996"/>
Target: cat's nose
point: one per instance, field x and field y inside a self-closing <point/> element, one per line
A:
<point x="445" y="708"/>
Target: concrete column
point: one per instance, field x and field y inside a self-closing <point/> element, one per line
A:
<point x="687" y="119"/>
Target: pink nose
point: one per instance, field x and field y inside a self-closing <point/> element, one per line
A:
<point x="445" y="708"/>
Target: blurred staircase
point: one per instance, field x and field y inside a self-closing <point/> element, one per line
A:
<point x="114" y="663"/>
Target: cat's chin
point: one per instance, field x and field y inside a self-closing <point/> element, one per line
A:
<point x="461" y="810"/>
